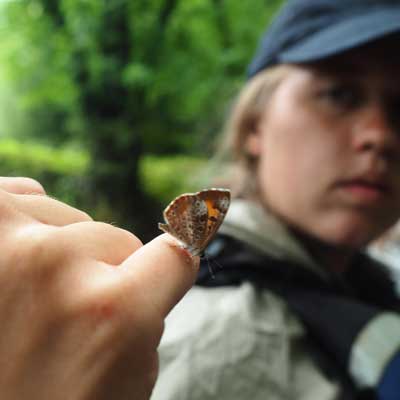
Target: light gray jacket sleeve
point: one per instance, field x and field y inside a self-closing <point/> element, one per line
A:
<point x="236" y="343"/>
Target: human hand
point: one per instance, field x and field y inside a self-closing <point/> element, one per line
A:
<point x="82" y="303"/>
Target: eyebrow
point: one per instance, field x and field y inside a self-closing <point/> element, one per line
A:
<point x="352" y="68"/>
<point x="341" y="66"/>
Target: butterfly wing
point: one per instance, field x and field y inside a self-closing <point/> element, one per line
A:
<point x="186" y="220"/>
<point x="217" y="202"/>
<point x="194" y="218"/>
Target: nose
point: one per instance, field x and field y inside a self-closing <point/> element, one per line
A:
<point x="373" y="130"/>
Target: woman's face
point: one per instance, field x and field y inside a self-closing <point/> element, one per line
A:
<point x="329" y="148"/>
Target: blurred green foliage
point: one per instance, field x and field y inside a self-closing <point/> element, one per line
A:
<point x="17" y="156"/>
<point x="122" y="80"/>
<point x="166" y="177"/>
<point x="65" y="172"/>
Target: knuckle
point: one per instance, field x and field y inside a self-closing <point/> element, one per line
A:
<point x="25" y="259"/>
<point x="99" y="313"/>
<point x="129" y="315"/>
<point x="34" y="242"/>
<point x="37" y="247"/>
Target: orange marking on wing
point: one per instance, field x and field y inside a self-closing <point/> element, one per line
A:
<point x="212" y="210"/>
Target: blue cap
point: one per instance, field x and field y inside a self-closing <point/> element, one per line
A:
<point x="311" y="30"/>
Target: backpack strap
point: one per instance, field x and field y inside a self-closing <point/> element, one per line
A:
<point x="334" y="312"/>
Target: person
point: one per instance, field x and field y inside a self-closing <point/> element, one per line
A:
<point x="82" y="303"/>
<point x="295" y="308"/>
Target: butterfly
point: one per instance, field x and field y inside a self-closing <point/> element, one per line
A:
<point x="194" y="218"/>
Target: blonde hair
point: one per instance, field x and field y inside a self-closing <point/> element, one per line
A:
<point x="246" y="113"/>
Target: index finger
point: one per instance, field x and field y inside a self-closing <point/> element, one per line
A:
<point x="165" y="270"/>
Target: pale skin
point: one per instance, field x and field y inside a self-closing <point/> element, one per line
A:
<point x="82" y="303"/>
<point x="328" y="149"/>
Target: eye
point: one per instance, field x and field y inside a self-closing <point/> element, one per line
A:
<point x="393" y="111"/>
<point x="343" y="96"/>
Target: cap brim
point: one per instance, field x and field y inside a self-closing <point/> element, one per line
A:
<point x="345" y="35"/>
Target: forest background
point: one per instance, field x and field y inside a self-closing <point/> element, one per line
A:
<point x="115" y="105"/>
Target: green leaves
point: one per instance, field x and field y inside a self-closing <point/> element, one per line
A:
<point x="181" y="59"/>
<point x="127" y="79"/>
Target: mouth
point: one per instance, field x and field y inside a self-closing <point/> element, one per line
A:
<point x="366" y="190"/>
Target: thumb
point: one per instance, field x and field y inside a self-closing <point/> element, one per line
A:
<point x="164" y="269"/>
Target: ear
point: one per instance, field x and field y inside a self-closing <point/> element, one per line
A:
<point x="253" y="144"/>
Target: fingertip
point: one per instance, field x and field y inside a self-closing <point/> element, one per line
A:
<point x="21" y="185"/>
<point x="191" y="260"/>
<point x="33" y="186"/>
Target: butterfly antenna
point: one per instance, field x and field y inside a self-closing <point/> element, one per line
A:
<point x="218" y="264"/>
<point x="209" y="266"/>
